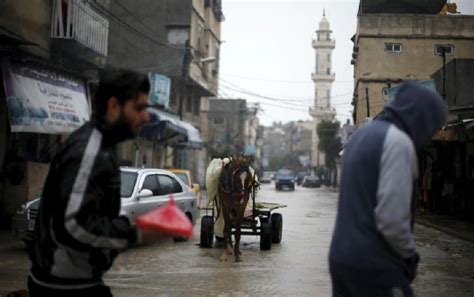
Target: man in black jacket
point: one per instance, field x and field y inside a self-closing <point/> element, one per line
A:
<point x="78" y="230"/>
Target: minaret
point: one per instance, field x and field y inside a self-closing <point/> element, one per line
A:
<point x="323" y="78"/>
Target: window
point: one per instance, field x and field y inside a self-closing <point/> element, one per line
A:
<point x="448" y="49"/>
<point x="328" y="97"/>
<point x="127" y="183"/>
<point x="189" y="103"/>
<point x="328" y="71"/>
<point x="393" y="47"/>
<point x="317" y="63"/>
<point x="329" y="58"/>
<point x="328" y="36"/>
<point x="151" y="184"/>
<point x="197" y="105"/>
<point x="168" y="185"/>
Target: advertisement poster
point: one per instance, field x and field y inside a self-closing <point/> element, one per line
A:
<point x="43" y="101"/>
<point x="160" y="87"/>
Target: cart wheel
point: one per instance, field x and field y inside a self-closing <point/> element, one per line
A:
<point x="277" y="227"/>
<point x="265" y="234"/>
<point x="207" y="231"/>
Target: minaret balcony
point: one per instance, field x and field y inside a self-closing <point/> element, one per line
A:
<point x="331" y="44"/>
<point x="323" y="77"/>
<point x="322" y="113"/>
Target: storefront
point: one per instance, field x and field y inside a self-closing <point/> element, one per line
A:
<point x="449" y="160"/>
<point x="165" y="142"/>
<point x="40" y="106"/>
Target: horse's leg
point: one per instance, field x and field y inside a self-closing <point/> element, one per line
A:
<point x="237" y="240"/>
<point x="227" y="229"/>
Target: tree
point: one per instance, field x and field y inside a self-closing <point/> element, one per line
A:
<point x="329" y="143"/>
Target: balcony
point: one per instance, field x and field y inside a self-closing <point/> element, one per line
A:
<point x="324" y="43"/>
<point x="77" y="20"/>
<point x="322" y="113"/>
<point x="323" y="77"/>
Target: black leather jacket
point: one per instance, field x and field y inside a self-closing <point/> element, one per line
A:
<point x="78" y="230"/>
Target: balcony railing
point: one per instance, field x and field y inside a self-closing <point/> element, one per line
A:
<point x="324" y="43"/>
<point x="77" y="20"/>
<point x="323" y="77"/>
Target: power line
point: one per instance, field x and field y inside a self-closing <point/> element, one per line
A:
<point x="132" y="29"/>
<point x="280" y="81"/>
<point x="133" y="16"/>
<point x="283" y="100"/>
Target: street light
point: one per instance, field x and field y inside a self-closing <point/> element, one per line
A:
<point x="209" y="59"/>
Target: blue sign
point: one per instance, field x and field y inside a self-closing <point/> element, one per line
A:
<point x="392" y="92"/>
<point x="160" y="87"/>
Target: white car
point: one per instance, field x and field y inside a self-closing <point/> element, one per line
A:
<point x="142" y="190"/>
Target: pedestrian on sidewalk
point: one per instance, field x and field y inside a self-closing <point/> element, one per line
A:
<point x="79" y="231"/>
<point x="373" y="248"/>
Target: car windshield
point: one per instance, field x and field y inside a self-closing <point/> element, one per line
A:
<point x="285" y="173"/>
<point x="127" y="183"/>
<point x="183" y="177"/>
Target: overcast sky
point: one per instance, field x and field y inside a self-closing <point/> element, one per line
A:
<point x="267" y="52"/>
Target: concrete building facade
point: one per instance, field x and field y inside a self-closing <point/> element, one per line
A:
<point x="52" y="49"/>
<point x="231" y="126"/>
<point x="392" y="48"/>
<point x="180" y="40"/>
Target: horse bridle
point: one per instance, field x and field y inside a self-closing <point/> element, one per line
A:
<point x="226" y="185"/>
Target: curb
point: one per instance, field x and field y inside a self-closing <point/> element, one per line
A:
<point x="446" y="230"/>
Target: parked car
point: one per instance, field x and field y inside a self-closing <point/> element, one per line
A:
<point x="266" y="178"/>
<point x="142" y="190"/>
<point x="300" y="176"/>
<point x="285" y="178"/>
<point x="311" y="181"/>
<point x="187" y="177"/>
<point x="23" y="222"/>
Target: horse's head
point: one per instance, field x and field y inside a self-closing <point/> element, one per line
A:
<point x="242" y="178"/>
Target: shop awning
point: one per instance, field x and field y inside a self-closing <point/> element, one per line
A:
<point x="168" y="129"/>
<point x="460" y="130"/>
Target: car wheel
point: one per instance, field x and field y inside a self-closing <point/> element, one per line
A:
<point x="265" y="234"/>
<point x="207" y="231"/>
<point x="277" y="227"/>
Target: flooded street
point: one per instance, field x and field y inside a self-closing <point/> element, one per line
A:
<point x="297" y="266"/>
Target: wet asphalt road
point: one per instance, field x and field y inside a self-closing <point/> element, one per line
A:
<point x="297" y="266"/>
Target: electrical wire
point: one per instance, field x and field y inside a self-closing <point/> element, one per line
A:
<point x="280" y="81"/>
<point x="132" y="29"/>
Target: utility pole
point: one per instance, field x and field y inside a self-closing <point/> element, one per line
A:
<point x="367" y="99"/>
<point x="187" y="58"/>
<point x="443" y="54"/>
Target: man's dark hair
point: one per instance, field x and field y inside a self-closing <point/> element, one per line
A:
<point x="122" y="84"/>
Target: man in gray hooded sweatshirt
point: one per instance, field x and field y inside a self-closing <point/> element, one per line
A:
<point x="373" y="247"/>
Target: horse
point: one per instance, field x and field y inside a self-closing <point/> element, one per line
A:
<point x="235" y="185"/>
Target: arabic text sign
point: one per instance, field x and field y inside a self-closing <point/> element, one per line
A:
<point x="43" y="101"/>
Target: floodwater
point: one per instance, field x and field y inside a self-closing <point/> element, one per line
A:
<point x="297" y="266"/>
